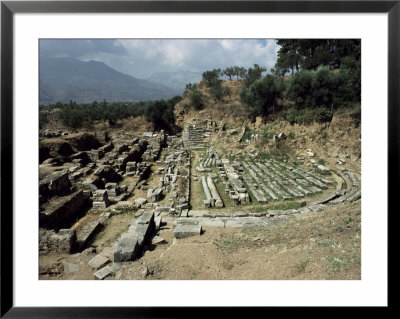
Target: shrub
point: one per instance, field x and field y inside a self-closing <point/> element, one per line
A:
<point x="308" y="116"/>
<point x="218" y="91"/>
<point x="262" y="95"/>
<point x="196" y="98"/>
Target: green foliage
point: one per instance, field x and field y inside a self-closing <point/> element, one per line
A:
<point x="247" y="133"/>
<point x="308" y="115"/>
<point x="253" y="74"/>
<point x="322" y="87"/>
<point x="262" y="95"/>
<point x="228" y="72"/>
<point x="160" y="113"/>
<point x="218" y="91"/>
<point x="212" y="77"/>
<point x="308" y="54"/>
<point x="196" y="98"/>
<point x="239" y="72"/>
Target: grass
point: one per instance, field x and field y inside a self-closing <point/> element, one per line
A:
<point x="310" y="244"/>
<point x="339" y="262"/>
<point x="109" y="235"/>
<point x="328" y="242"/>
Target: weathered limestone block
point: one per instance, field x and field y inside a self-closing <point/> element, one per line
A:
<point x="87" y="233"/>
<point x="98" y="262"/>
<point x="112" y="189"/>
<point x="139" y="202"/>
<point x="127" y="248"/>
<point x="323" y="170"/>
<point x="56" y="183"/>
<point x="158" y="221"/>
<point x="103" y="273"/>
<point x="62" y="242"/>
<point x="60" y="215"/>
<point x="214" y="192"/>
<point x="156" y="194"/>
<point x="183" y="231"/>
<point x="206" y="190"/>
<point x="100" y="198"/>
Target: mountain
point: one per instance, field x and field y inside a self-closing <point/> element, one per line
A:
<point x="65" y="79"/>
<point x="176" y="80"/>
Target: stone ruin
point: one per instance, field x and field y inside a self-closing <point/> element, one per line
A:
<point x="193" y="134"/>
<point x="176" y="179"/>
<point x="90" y="180"/>
<point x="87" y="182"/>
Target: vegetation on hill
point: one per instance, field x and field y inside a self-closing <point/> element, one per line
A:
<point x="311" y="77"/>
<point x="75" y="115"/>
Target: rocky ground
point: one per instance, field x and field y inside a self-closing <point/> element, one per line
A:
<point x="113" y="199"/>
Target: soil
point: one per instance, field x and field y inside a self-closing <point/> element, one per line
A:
<point x="317" y="246"/>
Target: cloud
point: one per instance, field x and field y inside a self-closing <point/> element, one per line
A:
<point x="79" y="48"/>
<point x="143" y="57"/>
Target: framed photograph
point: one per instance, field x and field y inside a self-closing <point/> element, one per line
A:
<point x="158" y="156"/>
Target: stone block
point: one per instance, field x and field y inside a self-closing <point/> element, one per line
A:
<point x="140" y="201"/>
<point x="127" y="249"/>
<point x="158" y="221"/>
<point x="183" y="231"/>
<point x="103" y="273"/>
<point x="323" y="170"/>
<point x="184" y="213"/>
<point x="157" y="240"/>
<point x="146" y="218"/>
<point x="98" y="262"/>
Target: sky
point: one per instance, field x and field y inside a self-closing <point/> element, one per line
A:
<point x="143" y="57"/>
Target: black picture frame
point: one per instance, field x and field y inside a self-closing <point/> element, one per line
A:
<point x="9" y="8"/>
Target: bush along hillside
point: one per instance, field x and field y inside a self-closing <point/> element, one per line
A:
<point x="310" y="81"/>
<point x="159" y="113"/>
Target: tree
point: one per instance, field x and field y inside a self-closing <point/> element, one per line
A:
<point x="212" y="77"/>
<point x="296" y="54"/>
<point x="229" y="72"/>
<point x="218" y="91"/>
<point x="261" y="97"/>
<point x="299" y="88"/>
<point x="253" y="74"/>
<point x="196" y="98"/>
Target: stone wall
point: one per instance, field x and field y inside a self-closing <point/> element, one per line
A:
<point x="53" y="242"/>
<point x="61" y="213"/>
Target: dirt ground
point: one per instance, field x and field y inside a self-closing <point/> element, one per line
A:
<point x="320" y="245"/>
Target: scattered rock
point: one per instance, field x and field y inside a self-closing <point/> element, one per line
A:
<point x="98" y="262"/>
<point x="157" y="240"/>
<point x="103" y="273"/>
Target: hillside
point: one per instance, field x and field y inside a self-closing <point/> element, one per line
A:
<point x="329" y="141"/>
<point x="65" y="79"/>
